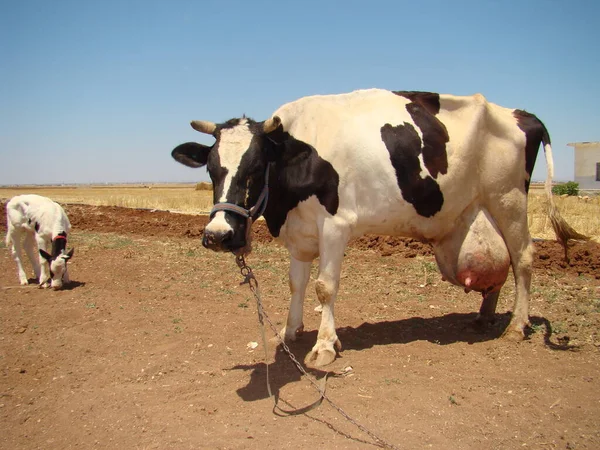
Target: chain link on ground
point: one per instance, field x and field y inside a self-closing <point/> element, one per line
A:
<point x="252" y="282"/>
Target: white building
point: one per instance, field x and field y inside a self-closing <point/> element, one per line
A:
<point x="587" y="164"/>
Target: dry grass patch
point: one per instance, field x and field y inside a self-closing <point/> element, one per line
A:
<point x="582" y="215"/>
<point x="176" y="197"/>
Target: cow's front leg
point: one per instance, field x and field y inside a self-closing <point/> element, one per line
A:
<point x="298" y="277"/>
<point x="331" y="246"/>
<point x="44" y="278"/>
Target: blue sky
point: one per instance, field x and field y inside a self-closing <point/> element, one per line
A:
<point x="101" y="91"/>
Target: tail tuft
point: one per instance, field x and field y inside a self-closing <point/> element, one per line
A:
<point x="563" y="231"/>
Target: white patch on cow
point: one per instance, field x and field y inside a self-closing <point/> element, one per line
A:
<point x="236" y="140"/>
<point x="218" y="224"/>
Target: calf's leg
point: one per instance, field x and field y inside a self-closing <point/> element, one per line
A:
<point x="44" y="278"/>
<point x="29" y="244"/>
<point x="15" y="251"/>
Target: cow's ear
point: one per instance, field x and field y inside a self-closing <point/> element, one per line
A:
<point x="191" y="154"/>
<point x="46" y="255"/>
<point x="69" y="255"/>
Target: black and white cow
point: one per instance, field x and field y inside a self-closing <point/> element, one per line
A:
<point x="448" y="170"/>
<point x="39" y="220"/>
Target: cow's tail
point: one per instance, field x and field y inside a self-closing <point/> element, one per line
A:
<point x="564" y="232"/>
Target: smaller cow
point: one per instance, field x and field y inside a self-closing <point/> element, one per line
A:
<point x="41" y="220"/>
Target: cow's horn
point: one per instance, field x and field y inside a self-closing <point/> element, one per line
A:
<point x="271" y="124"/>
<point x="203" y="126"/>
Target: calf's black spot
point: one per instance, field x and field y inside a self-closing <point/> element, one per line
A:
<point x="404" y="146"/>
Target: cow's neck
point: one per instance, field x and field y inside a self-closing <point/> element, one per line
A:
<point x="297" y="174"/>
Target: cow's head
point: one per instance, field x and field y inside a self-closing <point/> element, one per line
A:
<point x="237" y="164"/>
<point x="58" y="266"/>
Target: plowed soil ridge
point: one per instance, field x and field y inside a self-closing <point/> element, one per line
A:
<point x="584" y="256"/>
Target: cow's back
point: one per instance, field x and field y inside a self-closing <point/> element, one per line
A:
<point x="39" y="213"/>
<point x="375" y="139"/>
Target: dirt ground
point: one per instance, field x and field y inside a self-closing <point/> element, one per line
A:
<point x="153" y="345"/>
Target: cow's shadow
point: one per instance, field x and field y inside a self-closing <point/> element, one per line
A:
<point x="72" y="285"/>
<point x="66" y="286"/>
<point x="442" y="330"/>
<point x="33" y="282"/>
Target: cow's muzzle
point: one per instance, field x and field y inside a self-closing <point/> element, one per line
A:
<point x="225" y="240"/>
<point x="218" y="241"/>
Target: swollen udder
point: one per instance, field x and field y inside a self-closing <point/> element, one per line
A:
<point x="474" y="254"/>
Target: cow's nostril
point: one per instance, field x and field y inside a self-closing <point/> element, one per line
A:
<point x="217" y="240"/>
<point x="227" y="237"/>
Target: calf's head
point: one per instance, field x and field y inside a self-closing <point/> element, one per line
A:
<point x="237" y="164"/>
<point x="58" y="266"/>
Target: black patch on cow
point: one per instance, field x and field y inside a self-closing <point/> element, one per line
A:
<point x="535" y="134"/>
<point x="423" y="108"/>
<point x="435" y="137"/>
<point x="59" y="245"/>
<point x="299" y="173"/>
<point x="404" y="145"/>
<point x="232" y="123"/>
<point x="429" y="100"/>
<point x="37" y="226"/>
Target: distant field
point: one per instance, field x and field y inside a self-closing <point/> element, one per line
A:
<point x="584" y="216"/>
<point x="172" y="197"/>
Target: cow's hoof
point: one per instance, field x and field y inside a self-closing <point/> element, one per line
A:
<point x="288" y="337"/>
<point x="320" y="358"/>
<point x="24" y="282"/>
<point x="322" y="355"/>
<point x="513" y="334"/>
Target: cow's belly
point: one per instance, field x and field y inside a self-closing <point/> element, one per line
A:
<point x="474" y="254"/>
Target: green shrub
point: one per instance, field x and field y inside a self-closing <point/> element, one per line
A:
<point x="569" y="188"/>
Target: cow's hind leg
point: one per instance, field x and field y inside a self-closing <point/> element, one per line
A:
<point x="298" y="278"/>
<point x="332" y="243"/>
<point x="29" y="244"/>
<point x="487" y="311"/>
<point x="14" y="238"/>
<point x="510" y="214"/>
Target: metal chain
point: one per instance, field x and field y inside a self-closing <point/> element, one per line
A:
<point x="252" y="282"/>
